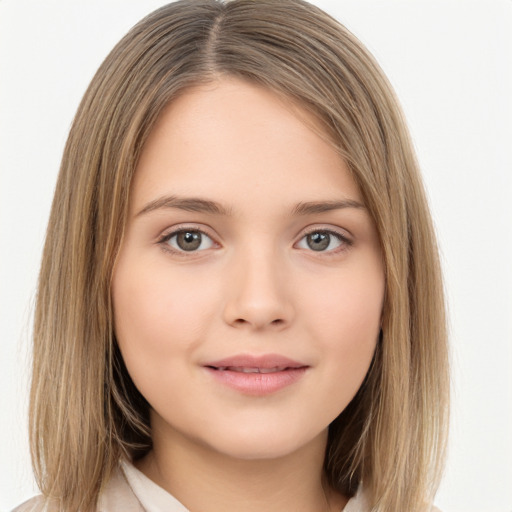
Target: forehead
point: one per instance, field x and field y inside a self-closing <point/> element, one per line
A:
<point x="240" y="140"/>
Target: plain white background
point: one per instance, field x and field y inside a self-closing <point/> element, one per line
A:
<point x="450" y="62"/>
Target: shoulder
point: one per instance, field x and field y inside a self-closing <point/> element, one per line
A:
<point x="361" y="503"/>
<point x="37" y="504"/>
<point x="116" y="496"/>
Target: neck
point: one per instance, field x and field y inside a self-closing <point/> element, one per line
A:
<point x="291" y="482"/>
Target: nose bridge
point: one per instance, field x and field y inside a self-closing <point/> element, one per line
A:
<point x="256" y="295"/>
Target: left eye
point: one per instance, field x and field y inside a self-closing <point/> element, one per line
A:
<point x="322" y="241"/>
<point x="188" y="240"/>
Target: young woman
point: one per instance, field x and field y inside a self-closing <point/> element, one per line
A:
<point x="240" y="304"/>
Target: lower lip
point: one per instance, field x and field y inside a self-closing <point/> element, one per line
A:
<point x="258" y="384"/>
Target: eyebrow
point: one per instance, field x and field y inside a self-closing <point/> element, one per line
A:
<point x="189" y="204"/>
<point x="196" y="204"/>
<point x="325" y="206"/>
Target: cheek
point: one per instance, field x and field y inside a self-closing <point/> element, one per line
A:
<point x="157" y="314"/>
<point x="348" y="305"/>
<point x="345" y="321"/>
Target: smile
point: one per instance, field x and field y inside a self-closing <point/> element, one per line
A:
<point x="251" y="370"/>
<point x="256" y="375"/>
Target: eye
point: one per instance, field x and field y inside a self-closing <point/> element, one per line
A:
<point x="186" y="240"/>
<point x="322" y="240"/>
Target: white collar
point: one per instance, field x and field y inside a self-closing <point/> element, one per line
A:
<point x="154" y="498"/>
<point x="151" y="496"/>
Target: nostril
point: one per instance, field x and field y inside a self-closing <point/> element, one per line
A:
<point x="242" y="321"/>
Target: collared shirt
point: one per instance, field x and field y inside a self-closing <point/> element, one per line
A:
<point x="155" y="499"/>
<point x="129" y="490"/>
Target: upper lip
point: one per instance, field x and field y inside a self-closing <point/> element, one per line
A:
<point x="266" y="361"/>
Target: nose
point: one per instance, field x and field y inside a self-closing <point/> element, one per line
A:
<point x="257" y="295"/>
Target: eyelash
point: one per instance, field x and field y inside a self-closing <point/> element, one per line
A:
<point x="346" y="243"/>
<point x="164" y="239"/>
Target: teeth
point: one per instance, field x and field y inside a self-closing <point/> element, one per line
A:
<point x="243" y="369"/>
<point x="272" y="370"/>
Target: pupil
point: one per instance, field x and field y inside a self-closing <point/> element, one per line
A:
<point x="318" y="241"/>
<point x="188" y="241"/>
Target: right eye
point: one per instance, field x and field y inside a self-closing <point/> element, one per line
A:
<point x="186" y="240"/>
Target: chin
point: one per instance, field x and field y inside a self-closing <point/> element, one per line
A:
<point x="264" y="445"/>
<point x="245" y="451"/>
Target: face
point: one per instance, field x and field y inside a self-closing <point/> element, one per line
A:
<point x="249" y="287"/>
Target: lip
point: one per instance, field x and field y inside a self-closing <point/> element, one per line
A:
<point x="256" y="375"/>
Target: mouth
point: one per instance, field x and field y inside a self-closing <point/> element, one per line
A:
<point x="244" y="369"/>
<point x="257" y="375"/>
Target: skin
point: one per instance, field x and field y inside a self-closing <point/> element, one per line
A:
<point x="254" y="286"/>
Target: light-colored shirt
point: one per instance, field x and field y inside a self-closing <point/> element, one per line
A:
<point x="129" y="490"/>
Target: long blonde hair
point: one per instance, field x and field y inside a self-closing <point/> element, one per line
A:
<point x="85" y="412"/>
